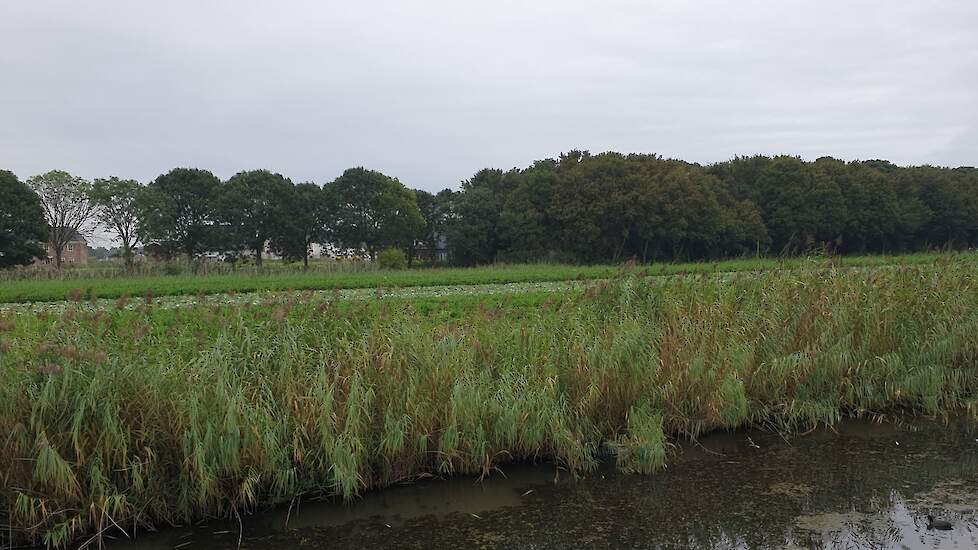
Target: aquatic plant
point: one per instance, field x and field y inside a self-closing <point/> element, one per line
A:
<point x="117" y="418"/>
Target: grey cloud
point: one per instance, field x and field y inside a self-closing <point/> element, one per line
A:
<point x="433" y="91"/>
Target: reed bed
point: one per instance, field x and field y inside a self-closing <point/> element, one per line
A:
<point x="117" y="419"/>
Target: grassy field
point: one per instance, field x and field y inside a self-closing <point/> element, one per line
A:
<point x="54" y="290"/>
<point x="216" y="409"/>
<point x="115" y="269"/>
<point x="47" y="290"/>
<point x="255" y="298"/>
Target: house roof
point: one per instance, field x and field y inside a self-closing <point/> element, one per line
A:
<point x="77" y="237"/>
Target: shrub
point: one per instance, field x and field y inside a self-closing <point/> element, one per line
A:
<point x="392" y="258"/>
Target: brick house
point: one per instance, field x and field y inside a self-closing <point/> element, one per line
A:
<point x="74" y="253"/>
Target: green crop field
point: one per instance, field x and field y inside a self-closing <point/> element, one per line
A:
<point x="53" y="290"/>
<point x="47" y="290"/>
<point x="143" y="415"/>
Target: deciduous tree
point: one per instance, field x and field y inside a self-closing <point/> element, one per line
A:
<point x="374" y="211"/>
<point x="474" y="235"/>
<point x="308" y="219"/>
<point x="251" y="206"/>
<point x="117" y="209"/>
<point x="177" y="212"/>
<point x="22" y="227"/>
<point x="67" y="207"/>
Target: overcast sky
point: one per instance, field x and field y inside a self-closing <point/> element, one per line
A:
<point x="431" y="91"/>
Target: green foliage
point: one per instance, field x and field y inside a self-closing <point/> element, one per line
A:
<point x="856" y="207"/>
<point x="613" y="207"/>
<point x="22" y="227"/>
<point x="309" y="218"/>
<point x="252" y="206"/>
<point x="117" y="208"/>
<point x="474" y="235"/>
<point x="177" y="212"/>
<point x="217" y="409"/>
<point x="578" y="208"/>
<point x="392" y="258"/>
<point x="801" y="206"/>
<point x="642" y="449"/>
<point x="374" y="211"/>
<point x="438" y="212"/>
<point x="603" y="208"/>
<point x="951" y="197"/>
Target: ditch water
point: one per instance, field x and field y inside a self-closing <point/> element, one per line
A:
<point x="864" y="485"/>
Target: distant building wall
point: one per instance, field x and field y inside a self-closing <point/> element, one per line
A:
<point x="74" y="253"/>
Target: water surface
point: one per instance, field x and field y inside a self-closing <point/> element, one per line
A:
<point x="862" y="485"/>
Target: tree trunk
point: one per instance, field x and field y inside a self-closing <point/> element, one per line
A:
<point x="127" y="256"/>
<point x="258" y="256"/>
<point x="305" y="260"/>
<point x="58" y="256"/>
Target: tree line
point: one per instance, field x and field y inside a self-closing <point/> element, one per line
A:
<point x="187" y="212"/>
<point x="578" y="208"/>
<point x="611" y="207"/>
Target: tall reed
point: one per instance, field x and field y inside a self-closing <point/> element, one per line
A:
<point x="120" y="418"/>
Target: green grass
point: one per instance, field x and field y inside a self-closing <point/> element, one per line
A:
<point x="146" y="415"/>
<point x="14" y="291"/>
<point x="412" y="293"/>
<point x="114" y="269"/>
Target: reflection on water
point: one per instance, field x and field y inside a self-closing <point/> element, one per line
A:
<point x="867" y="486"/>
